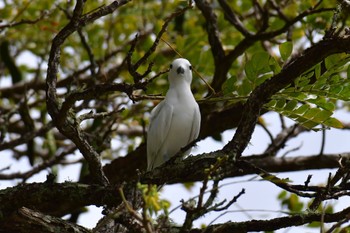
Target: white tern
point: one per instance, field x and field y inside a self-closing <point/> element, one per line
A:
<point x="175" y="122"/>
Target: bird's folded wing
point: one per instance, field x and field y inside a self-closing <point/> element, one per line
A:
<point x="158" y="130"/>
<point x="196" y="123"/>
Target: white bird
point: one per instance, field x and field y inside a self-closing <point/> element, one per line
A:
<point x="175" y="122"/>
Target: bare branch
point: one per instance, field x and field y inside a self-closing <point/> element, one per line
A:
<point x="38" y="168"/>
<point x="26" y="137"/>
<point x="24" y="21"/>
<point x="280" y="140"/>
<point x="233" y="19"/>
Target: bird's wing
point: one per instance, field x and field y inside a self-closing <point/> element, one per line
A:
<point x="196" y="123"/>
<point x="161" y="117"/>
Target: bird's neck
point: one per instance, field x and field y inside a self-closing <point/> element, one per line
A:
<point x="179" y="84"/>
<point x="180" y="90"/>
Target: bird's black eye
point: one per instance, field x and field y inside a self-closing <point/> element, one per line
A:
<point x="190" y="67"/>
<point x="171" y="66"/>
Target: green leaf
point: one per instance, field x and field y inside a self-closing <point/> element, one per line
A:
<point x="332" y="61"/>
<point x="271" y="104"/>
<point x="318" y="71"/>
<point x="189" y="185"/>
<point x="311" y="112"/>
<point x="274" y="66"/>
<point x="286" y="49"/>
<point x="314" y="225"/>
<point x="275" y="179"/>
<point x="291" y="105"/>
<point x="348" y="72"/>
<point x="334" y="123"/>
<point x="229" y="85"/>
<point x="246" y="88"/>
<point x="282" y="195"/>
<point x="295" y="204"/>
<point x="322" y="116"/>
<point x="322" y="103"/>
<point x="250" y="71"/>
<point x="292" y="202"/>
<point x="305" y="114"/>
<point x="258" y="64"/>
<point x="261" y="61"/>
<point x="281" y="103"/>
<point x="302" y="109"/>
<point x="263" y="78"/>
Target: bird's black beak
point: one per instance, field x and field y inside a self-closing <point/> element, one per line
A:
<point x="180" y="70"/>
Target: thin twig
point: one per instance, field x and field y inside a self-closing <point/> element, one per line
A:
<point x="25" y="21"/>
<point x="323" y="142"/>
<point x="128" y="206"/>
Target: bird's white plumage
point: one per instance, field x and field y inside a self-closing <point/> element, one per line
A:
<point x="175" y="121"/>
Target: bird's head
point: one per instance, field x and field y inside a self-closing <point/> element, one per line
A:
<point x="180" y="71"/>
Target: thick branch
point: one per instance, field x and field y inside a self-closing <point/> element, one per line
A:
<point x="55" y="199"/>
<point x="276" y="223"/>
<point x="37" y="222"/>
<point x="193" y="168"/>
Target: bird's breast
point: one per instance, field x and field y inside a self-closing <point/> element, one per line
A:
<point x="181" y="125"/>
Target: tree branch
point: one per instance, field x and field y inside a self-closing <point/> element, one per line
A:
<point x="59" y="115"/>
<point x="231" y="17"/>
<point x="24" y="21"/>
<point x="213" y="32"/>
<point x="35" y="221"/>
<point x="280" y="140"/>
<point x="192" y="168"/>
<point x="26" y="137"/>
<point x="55" y="199"/>
<point x="38" y="168"/>
<point x="274" y="224"/>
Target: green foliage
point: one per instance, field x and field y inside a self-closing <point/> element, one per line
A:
<point x="286" y="50"/>
<point x="304" y="114"/>
<point x="328" y="209"/>
<point x="153" y="203"/>
<point x="189" y="185"/>
<point x="229" y="85"/>
<point x="257" y="69"/>
<point x="275" y="179"/>
<point x="312" y="100"/>
<point x="295" y="205"/>
<point x="291" y="201"/>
